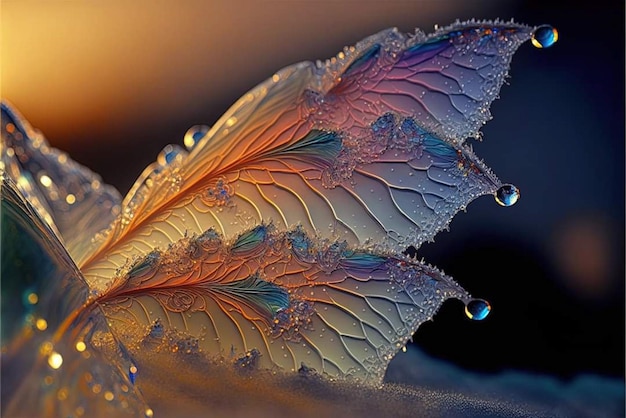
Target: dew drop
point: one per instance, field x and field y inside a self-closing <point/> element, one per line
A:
<point x="507" y="195"/>
<point x="41" y="324"/>
<point x="170" y="154"/>
<point x="194" y="134"/>
<point x="544" y="36"/>
<point x="477" y="309"/>
<point x="30" y="298"/>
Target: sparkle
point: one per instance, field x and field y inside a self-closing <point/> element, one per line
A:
<point x="55" y="360"/>
<point x="45" y="181"/>
<point x="41" y="324"/>
<point x="231" y="121"/>
<point x="46" y="348"/>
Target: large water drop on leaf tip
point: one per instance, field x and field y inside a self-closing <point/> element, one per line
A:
<point x="477" y="309"/>
<point x="507" y="195"/>
<point x="544" y="36"/>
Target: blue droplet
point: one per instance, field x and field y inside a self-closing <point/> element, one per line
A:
<point x="544" y="36"/>
<point x="477" y="309"/>
<point x="194" y="135"/>
<point x="197" y="135"/>
<point x="170" y="154"/>
<point x="507" y="195"/>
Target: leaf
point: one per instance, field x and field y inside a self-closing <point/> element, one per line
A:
<point x="82" y="371"/>
<point x="368" y="147"/>
<point x="277" y="299"/>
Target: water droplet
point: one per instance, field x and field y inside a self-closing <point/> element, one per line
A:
<point x="41" y="324"/>
<point x="45" y="180"/>
<point x="507" y="195"/>
<point x="194" y="134"/>
<point x="477" y="309"/>
<point x="544" y="36"/>
<point x="170" y="154"/>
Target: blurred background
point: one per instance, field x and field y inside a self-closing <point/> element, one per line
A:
<point x="113" y="82"/>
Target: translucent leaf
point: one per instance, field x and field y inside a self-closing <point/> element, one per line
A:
<point x="367" y="147"/>
<point x="277" y="299"/>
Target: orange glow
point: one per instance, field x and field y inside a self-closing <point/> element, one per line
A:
<point x="97" y="70"/>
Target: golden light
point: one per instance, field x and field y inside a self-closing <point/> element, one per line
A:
<point x="32" y="298"/>
<point x="55" y="360"/>
<point x="45" y="181"/>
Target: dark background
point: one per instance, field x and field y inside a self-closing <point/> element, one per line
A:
<point x="113" y="83"/>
